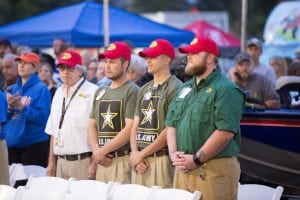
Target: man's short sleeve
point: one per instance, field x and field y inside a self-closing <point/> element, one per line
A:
<point x="131" y="102"/>
<point x="229" y="109"/>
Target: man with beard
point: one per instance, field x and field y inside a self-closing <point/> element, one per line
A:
<point x="203" y="123"/>
<point x="259" y="90"/>
<point x="112" y="118"/>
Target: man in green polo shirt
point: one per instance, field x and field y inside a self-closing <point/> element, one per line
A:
<point x="203" y="123"/>
<point x="150" y="158"/>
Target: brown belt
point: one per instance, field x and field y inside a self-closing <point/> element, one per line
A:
<point x="74" y="157"/>
<point x="118" y="153"/>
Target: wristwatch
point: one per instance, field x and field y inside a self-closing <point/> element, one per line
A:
<point x="197" y="160"/>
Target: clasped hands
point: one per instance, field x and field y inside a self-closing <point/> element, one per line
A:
<point x="101" y="158"/>
<point x="183" y="162"/>
<point x="138" y="162"/>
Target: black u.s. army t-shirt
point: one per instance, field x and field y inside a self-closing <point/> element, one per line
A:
<point x="111" y="107"/>
<point x="151" y="108"/>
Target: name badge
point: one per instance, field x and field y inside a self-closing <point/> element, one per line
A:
<point x="59" y="142"/>
<point x="184" y="92"/>
<point x="147" y="95"/>
<point x="100" y="94"/>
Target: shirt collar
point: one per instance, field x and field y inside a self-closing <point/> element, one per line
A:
<point x="206" y="81"/>
<point x="73" y="87"/>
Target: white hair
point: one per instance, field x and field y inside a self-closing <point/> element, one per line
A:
<point x="82" y="69"/>
<point x="11" y="58"/>
<point x="137" y="64"/>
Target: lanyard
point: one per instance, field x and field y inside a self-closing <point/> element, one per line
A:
<point x="65" y="108"/>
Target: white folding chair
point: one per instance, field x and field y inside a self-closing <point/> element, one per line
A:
<point x="45" y="188"/>
<point x="7" y="192"/>
<point x="18" y="172"/>
<point x="175" y="194"/>
<point x="88" y="189"/>
<point x="24" y="193"/>
<point x="131" y="191"/>
<point x="35" y="170"/>
<point x="258" y="192"/>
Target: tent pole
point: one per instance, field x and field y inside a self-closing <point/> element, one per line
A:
<point x="106" y="22"/>
<point x="244" y="24"/>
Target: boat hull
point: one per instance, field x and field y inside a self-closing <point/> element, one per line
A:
<point x="270" y="148"/>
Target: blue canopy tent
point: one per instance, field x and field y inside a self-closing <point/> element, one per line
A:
<point x="82" y="25"/>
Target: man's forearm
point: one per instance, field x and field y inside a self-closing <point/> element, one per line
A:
<point x="51" y="158"/>
<point x="159" y="143"/>
<point x="171" y="139"/>
<point x="133" y="133"/>
<point x="214" y="145"/>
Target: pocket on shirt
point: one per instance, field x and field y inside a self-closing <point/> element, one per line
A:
<point x="201" y="111"/>
<point x="177" y="109"/>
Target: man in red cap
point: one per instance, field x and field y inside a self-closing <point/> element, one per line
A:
<point x="203" y="123"/>
<point x="149" y="157"/>
<point x="70" y="152"/>
<point x="28" y="110"/>
<point x="112" y="117"/>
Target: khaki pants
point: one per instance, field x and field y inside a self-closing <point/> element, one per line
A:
<point x="220" y="181"/>
<point x="4" y="173"/>
<point x="160" y="172"/>
<point x="73" y="169"/>
<point x="117" y="171"/>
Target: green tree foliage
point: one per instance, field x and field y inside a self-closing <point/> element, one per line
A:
<point x="159" y="5"/>
<point x="13" y="10"/>
<point x="5" y="11"/>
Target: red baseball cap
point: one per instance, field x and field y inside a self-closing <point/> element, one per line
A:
<point x="116" y="50"/>
<point x="201" y="44"/>
<point x="29" y="57"/>
<point x="70" y="58"/>
<point x="158" y="47"/>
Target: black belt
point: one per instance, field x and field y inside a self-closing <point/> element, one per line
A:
<point x="118" y="153"/>
<point x="74" y="157"/>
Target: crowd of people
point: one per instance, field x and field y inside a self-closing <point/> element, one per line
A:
<point x="152" y="118"/>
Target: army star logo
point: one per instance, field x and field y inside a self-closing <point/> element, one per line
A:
<point x="108" y="116"/>
<point x="148" y="113"/>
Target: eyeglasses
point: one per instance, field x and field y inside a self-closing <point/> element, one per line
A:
<point x="63" y="68"/>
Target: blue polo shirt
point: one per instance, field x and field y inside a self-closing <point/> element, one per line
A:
<point x="3" y="108"/>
